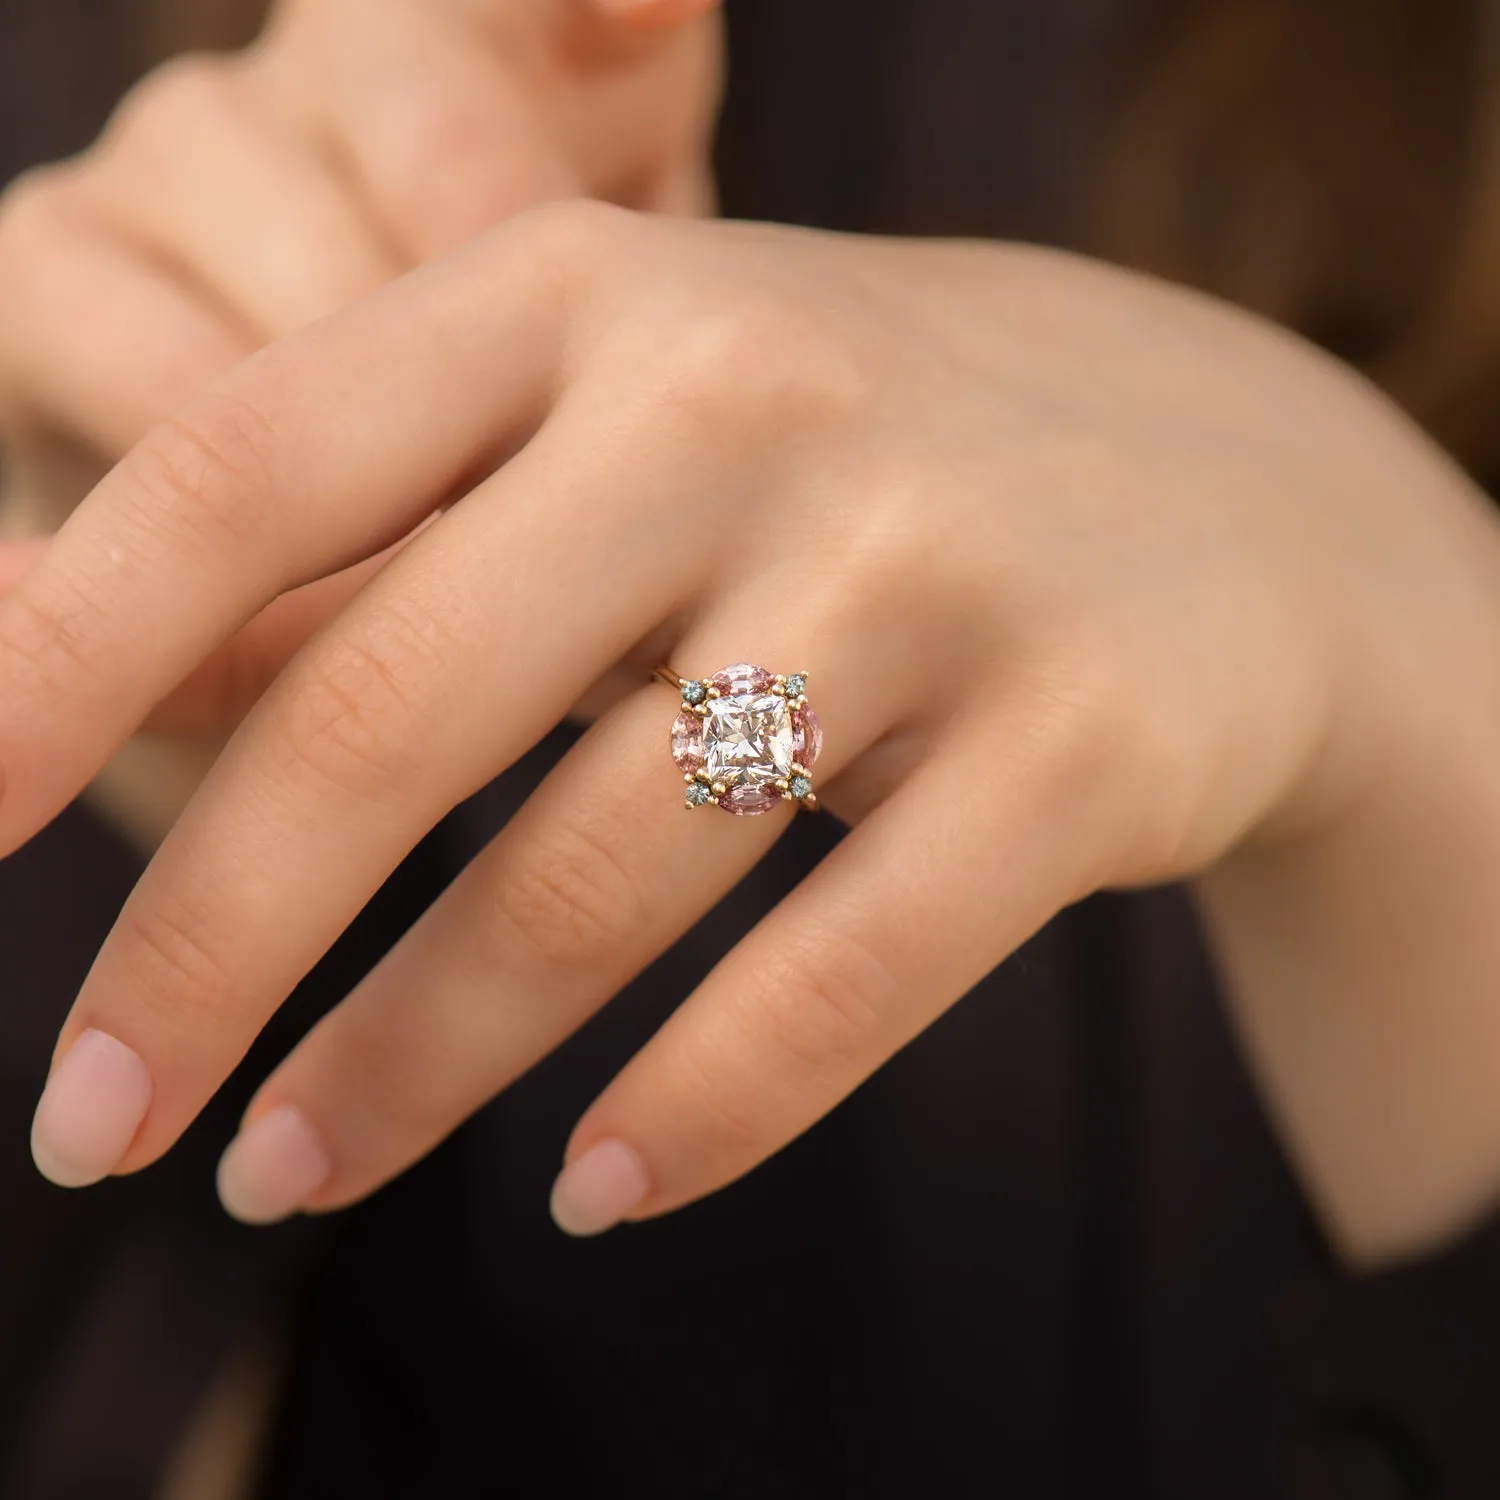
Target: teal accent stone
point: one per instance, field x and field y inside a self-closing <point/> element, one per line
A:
<point x="800" y="787"/>
<point x="796" y="685"/>
<point x="698" y="795"/>
<point x="694" y="693"/>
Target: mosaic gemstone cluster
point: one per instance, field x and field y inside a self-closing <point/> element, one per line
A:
<point x="746" y="740"/>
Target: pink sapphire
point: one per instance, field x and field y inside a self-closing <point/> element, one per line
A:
<point x="738" y="680"/>
<point x="749" y="799"/>
<point x="807" y="737"/>
<point x="687" y="742"/>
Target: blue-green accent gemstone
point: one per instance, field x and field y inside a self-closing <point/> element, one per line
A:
<point x="694" y="693"/>
<point x="796" y="685"/>
<point x="800" y="787"/>
<point x="698" y="794"/>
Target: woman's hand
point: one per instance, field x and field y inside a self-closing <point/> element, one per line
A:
<point x="236" y="198"/>
<point x="1099" y="585"/>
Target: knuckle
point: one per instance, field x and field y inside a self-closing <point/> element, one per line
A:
<point x="1078" y="712"/>
<point x="354" y="717"/>
<point x="52" y="631"/>
<point x="766" y="360"/>
<point x="570" y="902"/>
<point x="571" y="235"/>
<point x="205" y="473"/>
<point x="172" y="98"/>
<point x="31" y="210"/>
<point x="1097" y="757"/>
<point x="839" y="997"/>
<point x="396" y="1095"/>
<point x="727" y="1122"/>
<point x="176" y="957"/>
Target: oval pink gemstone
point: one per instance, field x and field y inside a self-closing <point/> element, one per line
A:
<point x="687" y="742"/>
<point x="807" y="737"/>
<point x="748" y="800"/>
<point x="744" y="678"/>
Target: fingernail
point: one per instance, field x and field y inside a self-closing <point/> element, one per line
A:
<point x="272" y="1167"/>
<point x="597" y="1190"/>
<point x="90" y="1110"/>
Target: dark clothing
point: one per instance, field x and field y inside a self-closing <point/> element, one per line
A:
<point x="1051" y="1250"/>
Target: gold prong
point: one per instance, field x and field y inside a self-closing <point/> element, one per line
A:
<point x="689" y="778"/>
<point x="719" y="789"/>
<point x="779" y="689"/>
<point x="810" y="802"/>
<point x="783" y="786"/>
<point x="702" y="776"/>
<point x="780" y="677"/>
<point x="701" y="710"/>
<point x="713" y="692"/>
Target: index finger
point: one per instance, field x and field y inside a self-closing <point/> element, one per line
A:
<point x="307" y="458"/>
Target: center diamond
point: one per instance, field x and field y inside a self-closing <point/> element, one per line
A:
<point x="748" y="740"/>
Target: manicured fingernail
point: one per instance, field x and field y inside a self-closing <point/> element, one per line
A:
<point x="272" y="1167"/>
<point x="597" y="1190"/>
<point x="90" y="1110"/>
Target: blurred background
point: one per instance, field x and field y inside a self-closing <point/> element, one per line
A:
<point x="1334" y="164"/>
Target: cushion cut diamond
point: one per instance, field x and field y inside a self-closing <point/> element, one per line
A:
<point x="748" y="740"/>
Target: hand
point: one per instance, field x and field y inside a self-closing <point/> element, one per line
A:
<point x="1100" y="585"/>
<point x="236" y="198"/>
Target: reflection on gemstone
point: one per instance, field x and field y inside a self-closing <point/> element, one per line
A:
<point x="749" y="742"/>
<point x="687" y="742"/>
<point x="808" y="737"/>
<point x="749" y="801"/>
<point x="741" y="679"/>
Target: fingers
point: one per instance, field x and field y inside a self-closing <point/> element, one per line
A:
<point x="94" y="340"/>
<point x="196" y="171"/>
<point x="310" y="457"/>
<point x="922" y="900"/>
<point x="601" y="871"/>
<point x="219" y="693"/>
<point x="439" y="140"/>
<point x="433" y="681"/>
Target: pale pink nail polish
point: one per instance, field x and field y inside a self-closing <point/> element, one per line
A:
<point x="272" y="1167"/>
<point x="597" y="1190"/>
<point x="90" y="1110"/>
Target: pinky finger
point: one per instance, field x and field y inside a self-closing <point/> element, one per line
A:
<point x="928" y="895"/>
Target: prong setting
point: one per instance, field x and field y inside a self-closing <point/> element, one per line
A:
<point x="745" y="739"/>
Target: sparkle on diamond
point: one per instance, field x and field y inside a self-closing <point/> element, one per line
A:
<point x="749" y="739"/>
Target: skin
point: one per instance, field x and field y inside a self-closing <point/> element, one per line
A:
<point x="236" y="198"/>
<point x="1100" y="584"/>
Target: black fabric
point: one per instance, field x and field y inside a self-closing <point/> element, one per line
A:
<point x="1052" y="1249"/>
